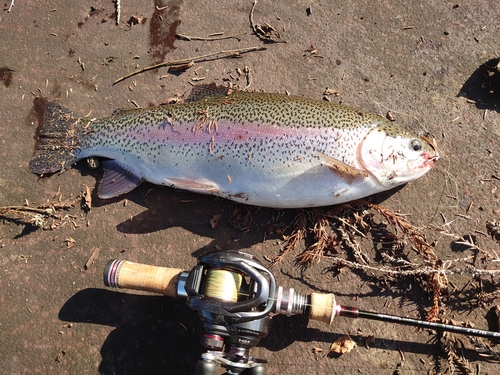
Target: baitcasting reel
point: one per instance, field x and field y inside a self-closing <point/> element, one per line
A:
<point x="233" y="294"/>
<point x="230" y="292"/>
<point x="235" y="297"/>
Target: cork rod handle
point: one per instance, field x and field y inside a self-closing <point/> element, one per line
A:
<point x="323" y="307"/>
<point x="130" y="275"/>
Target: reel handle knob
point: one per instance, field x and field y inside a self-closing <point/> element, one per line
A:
<point x="130" y="275"/>
<point x="206" y="368"/>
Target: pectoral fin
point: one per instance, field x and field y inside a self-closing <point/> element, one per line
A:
<point x="338" y="166"/>
<point x="117" y="180"/>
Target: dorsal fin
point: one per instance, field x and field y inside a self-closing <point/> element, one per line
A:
<point x="118" y="111"/>
<point x="341" y="167"/>
<point x="208" y="90"/>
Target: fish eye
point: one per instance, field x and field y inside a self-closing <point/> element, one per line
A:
<point x="416" y="145"/>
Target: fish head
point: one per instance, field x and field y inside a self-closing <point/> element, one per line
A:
<point x="395" y="156"/>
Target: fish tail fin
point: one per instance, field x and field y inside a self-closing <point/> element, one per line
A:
<point x="58" y="140"/>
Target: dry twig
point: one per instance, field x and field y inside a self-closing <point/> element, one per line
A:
<point x="38" y="216"/>
<point x="292" y="241"/>
<point x="226" y="54"/>
<point x="265" y="32"/>
<point x="421" y="245"/>
<point x="210" y="38"/>
<point x="323" y="242"/>
<point x="484" y="349"/>
<point x="449" y="343"/>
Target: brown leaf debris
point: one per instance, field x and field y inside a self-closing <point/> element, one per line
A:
<point x="324" y="241"/>
<point x="292" y="241"/>
<point x="344" y="344"/>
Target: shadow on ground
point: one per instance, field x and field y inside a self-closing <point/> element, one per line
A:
<point x="483" y="86"/>
<point x="147" y="341"/>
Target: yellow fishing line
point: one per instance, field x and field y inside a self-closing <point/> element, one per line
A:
<point x="222" y="284"/>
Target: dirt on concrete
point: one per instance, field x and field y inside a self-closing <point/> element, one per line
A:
<point x="433" y="65"/>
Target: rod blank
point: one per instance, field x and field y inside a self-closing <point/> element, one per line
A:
<point x="324" y="308"/>
<point x="425" y="324"/>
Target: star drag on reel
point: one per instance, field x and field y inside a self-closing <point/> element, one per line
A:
<point x="235" y="296"/>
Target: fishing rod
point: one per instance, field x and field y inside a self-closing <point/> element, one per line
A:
<point x="235" y="296"/>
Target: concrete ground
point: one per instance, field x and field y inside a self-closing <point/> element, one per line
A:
<point x="430" y="63"/>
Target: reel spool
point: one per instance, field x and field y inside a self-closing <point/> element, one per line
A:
<point x="211" y="275"/>
<point x="223" y="285"/>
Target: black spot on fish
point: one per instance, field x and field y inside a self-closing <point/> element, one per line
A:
<point x="163" y="125"/>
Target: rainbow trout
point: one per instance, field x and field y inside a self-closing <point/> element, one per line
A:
<point x="262" y="149"/>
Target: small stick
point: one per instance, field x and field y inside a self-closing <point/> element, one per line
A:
<point x="92" y="258"/>
<point x="42" y="211"/>
<point x="265" y="32"/>
<point x="228" y="53"/>
<point x="252" y="23"/>
<point x="349" y="225"/>
<point x="178" y="68"/>
<point x="209" y="39"/>
<point x="117" y="11"/>
<point x="248" y="77"/>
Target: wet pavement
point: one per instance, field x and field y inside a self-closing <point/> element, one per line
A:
<point x="432" y="65"/>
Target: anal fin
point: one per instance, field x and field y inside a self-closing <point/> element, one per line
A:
<point x="341" y="167"/>
<point x="117" y="180"/>
<point x="198" y="186"/>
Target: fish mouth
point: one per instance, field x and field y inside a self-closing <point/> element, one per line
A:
<point x="430" y="160"/>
